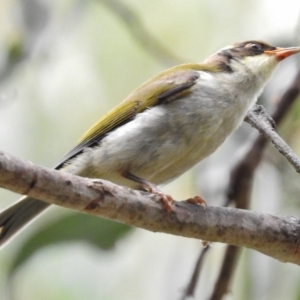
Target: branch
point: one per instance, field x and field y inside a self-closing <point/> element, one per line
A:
<point x="190" y="289"/>
<point x="259" y="119"/>
<point x="278" y="237"/>
<point x="226" y="272"/>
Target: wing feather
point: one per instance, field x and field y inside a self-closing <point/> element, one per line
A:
<point x="166" y="86"/>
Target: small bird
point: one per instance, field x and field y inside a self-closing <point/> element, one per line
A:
<point x="166" y="126"/>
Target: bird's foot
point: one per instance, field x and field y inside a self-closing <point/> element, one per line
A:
<point x="197" y="200"/>
<point x="166" y="200"/>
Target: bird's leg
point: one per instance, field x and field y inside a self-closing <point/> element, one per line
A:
<point x="166" y="200"/>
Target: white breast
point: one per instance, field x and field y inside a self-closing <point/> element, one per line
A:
<point x="164" y="141"/>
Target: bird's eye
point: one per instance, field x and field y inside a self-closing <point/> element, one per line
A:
<point x="254" y="46"/>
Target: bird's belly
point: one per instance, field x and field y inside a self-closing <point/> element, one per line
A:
<point x="159" y="144"/>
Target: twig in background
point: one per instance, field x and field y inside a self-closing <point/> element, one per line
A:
<point x="190" y="289"/>
<point x="141" y="34"/>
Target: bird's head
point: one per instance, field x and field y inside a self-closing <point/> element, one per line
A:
<point x="253" y="57"/>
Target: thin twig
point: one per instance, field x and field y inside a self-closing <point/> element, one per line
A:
<point x="226" y="272"/>
<point x="190" y="290"/>
<point x="258" y="118"/>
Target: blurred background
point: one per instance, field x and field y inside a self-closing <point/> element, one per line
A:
<point x="65" y="63"/>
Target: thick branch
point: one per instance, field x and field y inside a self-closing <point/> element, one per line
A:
<point x="278" y="237"/>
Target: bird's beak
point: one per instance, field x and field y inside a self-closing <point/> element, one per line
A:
<point x="282" y="53"/>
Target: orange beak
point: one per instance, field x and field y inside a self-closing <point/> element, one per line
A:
<point x="282" y="53"/>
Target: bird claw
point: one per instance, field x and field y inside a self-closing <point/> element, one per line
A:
<point x="197" y="200"/>
<point x="205" y="244"/>
<point x="166" y="200"/>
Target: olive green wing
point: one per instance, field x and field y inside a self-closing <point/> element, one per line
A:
<point x="166" y="86"/>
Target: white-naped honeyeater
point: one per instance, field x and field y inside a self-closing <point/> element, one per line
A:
<point x="166" y="126"/>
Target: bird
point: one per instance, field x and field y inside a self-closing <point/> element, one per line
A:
<point x="166" y="126"/>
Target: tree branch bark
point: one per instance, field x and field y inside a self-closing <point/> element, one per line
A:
<point x="258" y="118"/>
<point x="278" y="237"/>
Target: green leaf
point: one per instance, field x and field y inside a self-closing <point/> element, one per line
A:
<point x="99" y="232"/>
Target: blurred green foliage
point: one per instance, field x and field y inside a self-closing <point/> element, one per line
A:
<point x="76" y="227"/>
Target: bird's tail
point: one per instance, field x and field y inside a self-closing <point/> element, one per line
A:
<point x="18" y="215"/>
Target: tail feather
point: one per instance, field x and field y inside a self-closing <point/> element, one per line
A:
<point x="18" y="215"/>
